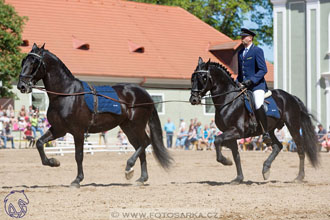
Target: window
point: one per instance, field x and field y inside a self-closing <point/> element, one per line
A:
<point x="209" y="108"/>
<point x="159" y="106"/>
<point x="39" y="100"/>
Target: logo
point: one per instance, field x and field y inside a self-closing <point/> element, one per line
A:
<point x="16" y="204"/>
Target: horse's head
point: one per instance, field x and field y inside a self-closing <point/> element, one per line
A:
<point x="33" y="69"/>
<point x="201" y="82"/>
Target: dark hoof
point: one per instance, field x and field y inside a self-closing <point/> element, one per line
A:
<point x="225" y="161"/>
<point x="54" y="162"/>
<point x="266" y="172"/>
<point x="75" y="185"/>
<point x="129" y="174"/>
<point x="236" y="181"/>
<point x="141" y="180"/>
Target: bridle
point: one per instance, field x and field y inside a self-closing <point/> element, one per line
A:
<point x="30" y="77"/>
<point x="203" y="90"/>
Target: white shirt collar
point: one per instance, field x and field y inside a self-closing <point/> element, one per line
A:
<point x="248" y="47"/>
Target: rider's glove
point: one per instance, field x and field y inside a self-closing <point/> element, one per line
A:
<point x="247" y="83"/>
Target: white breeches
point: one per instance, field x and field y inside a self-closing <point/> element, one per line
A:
<point x="259" y="96"/>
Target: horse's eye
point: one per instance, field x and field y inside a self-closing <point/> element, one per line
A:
<point x="204" y="78"/>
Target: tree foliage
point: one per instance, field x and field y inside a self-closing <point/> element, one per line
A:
<point x="11" y="25"/>
<point x="228" y="16"/>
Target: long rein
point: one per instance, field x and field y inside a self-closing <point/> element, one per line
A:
<point x="143" y="104"/>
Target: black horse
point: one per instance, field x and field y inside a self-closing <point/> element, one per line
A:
<point x="70" y="114"/>
<point x="232" y="118"/>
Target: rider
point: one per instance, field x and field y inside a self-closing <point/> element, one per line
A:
<point x="251" y="71"/>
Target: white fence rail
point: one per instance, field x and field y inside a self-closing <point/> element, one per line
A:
<point x="67" y="147"/>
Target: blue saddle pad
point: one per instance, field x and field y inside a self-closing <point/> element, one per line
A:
<point x="270" y="107"/>
<point x="103" y="104"/>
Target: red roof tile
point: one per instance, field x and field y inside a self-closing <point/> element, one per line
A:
<point x="172" y="39"/>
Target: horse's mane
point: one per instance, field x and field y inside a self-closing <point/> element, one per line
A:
<point x="223" y="69"/>
<point x="69" y="74"/>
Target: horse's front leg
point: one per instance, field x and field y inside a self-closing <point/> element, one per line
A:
<point x="79" y="155"/>
<point x="220" y="158"/>
<point x="48" y="136"/>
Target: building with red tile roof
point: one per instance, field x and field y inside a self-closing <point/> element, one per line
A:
<point x="112" y="38"/>
<point x="110" y="41"/>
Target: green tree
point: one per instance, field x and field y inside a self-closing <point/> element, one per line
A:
<point x="227" y="16"/>
<point x="11" y="25"/>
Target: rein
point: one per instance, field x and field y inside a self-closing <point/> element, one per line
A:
<point x="107" y="97"/>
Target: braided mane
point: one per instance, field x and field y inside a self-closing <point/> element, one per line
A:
<point x="224" y="69"/>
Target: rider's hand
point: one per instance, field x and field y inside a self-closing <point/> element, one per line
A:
<point x="247" y="83"/>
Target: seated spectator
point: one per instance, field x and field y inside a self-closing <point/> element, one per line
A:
<point x="204" y="140"/>
<point x="28" y="135"/>
<point x="213" y="133"/>
<point x="9" y="135"/>
<point x="122" y="141"/>
<point x="326" y="143"/>
<point x="181" y="138"/>
<point x="257" y="143"/>
<point x="192" y="137"/>
<point x="22" y="112"/>
<point x="35" y="126"/>
<point x="321" y="134"/>
<point x="292" y="146"/>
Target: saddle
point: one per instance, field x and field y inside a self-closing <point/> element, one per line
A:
<point x="100" y="104"/>
<point x="270" y="107"/>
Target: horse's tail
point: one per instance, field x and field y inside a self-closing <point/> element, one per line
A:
<point x="309" y="138"/>
<point x="157" y="143"/>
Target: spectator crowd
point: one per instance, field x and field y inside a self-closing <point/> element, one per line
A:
<point x="201" y="137"/>
<point x="27" y="122"/>
<point x="195" y="136"/>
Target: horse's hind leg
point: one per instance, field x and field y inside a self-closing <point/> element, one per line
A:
<point x="48" y="136"/>
<point x="139" y="139"/>
<point x="277" y="147"/>
<point x="295" y="133"/>
<point x="79" y="156"/>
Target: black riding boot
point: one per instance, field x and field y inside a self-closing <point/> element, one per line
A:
<point x="262" y="118"/>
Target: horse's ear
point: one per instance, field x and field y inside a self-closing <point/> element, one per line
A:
<point x="200" y="61"/>
<point x="207" y="64"/>
<point x="43" y="46"/>
<point x="35" y="47"/>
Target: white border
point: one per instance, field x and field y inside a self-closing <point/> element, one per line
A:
<point x="163" y="99"/>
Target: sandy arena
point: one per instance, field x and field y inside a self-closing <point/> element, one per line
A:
<point x="196" y="182"/>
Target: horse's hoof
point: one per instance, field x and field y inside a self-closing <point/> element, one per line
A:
<point x="225" y="161"/>
<point x="266" y="174"/>
<point x="141" y="181"/>
<point x="54" y="162"/>
<point x="299" y="179"/>
<point x="75" y="185"/>
<point x="129" y="174"/>
<point x="236" y="181"/>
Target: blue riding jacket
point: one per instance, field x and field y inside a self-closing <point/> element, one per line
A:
<point x="252" y="67"/>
